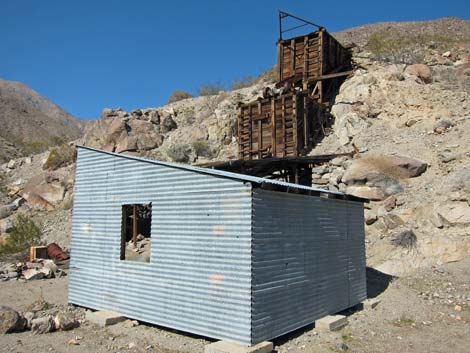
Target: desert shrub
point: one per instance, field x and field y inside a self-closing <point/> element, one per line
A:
<point x="58" y="140"/>
<point x="384" y="165"/>
<point x="201" y="148"/>
<point x="210" y="89"/>
<point x="22" y="235"/>
<point x="179" y="153"/>
<point x="395" y="47"/>
<point x="243" y="82"/>
<point x="405" y="239"/>
<point x="269" y="76"/>
<point x="59" y="157"/>
<point x="177" y="96"/>
<point x="34" y="148"/>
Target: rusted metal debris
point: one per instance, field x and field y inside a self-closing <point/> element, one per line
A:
<point x="55" y="252"/>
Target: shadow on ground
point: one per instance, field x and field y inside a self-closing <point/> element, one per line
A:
<point x="377" y="282"/>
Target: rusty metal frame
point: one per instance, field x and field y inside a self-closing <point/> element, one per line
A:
<point x="283" y="15"/>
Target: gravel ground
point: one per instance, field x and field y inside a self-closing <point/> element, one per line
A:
<point x="428" y="311"/>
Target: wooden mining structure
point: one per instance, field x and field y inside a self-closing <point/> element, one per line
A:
<point x="293" y="117"/>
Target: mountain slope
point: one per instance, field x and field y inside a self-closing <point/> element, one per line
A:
<point x="30" y="121"/>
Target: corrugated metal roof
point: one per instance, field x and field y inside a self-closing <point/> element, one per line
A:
<point x="224" y="174"/>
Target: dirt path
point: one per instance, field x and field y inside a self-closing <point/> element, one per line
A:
<point x="426" y="312"/>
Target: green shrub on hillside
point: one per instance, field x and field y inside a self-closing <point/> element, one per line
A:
<point x="60" y="157"/>
<point x="201" y="148"/>
<point x="22" y="235"/>
<point x="179" y="153"/>
<point x="404" y="47"/>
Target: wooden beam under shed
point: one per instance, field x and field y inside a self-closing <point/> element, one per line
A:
<point x="134" y="225"/>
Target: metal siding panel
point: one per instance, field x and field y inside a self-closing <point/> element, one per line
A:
<point x="206" y="171"/>
<point x="302" y="254"/>
<point x="199" y="276"/>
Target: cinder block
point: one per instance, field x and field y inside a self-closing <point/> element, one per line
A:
<point x="370" y="303"/>
<point x="104" y="318"/>
<point x="331" y="322"/>
<point x="229" y="347"/>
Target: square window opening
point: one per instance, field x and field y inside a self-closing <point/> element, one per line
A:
<point x="135" y="232"/>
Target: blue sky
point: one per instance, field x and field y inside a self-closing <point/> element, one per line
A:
<point x="86" y="55"/>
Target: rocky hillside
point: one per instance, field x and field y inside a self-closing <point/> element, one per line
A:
<point x="31" y="122"/>
<point x="408" y="124"/>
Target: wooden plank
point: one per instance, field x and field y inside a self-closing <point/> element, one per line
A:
<point x="279" y="61"/>
<point x="306" y="137"/>
<point x="134" y="225"/>
<point x="260" y="138"/>
<point x="305" y="64"/>
<point x="240" y="131"/>
<point x="321" y="51"/>
<point x="283" y="119"/>
<point x="294" y="119"/>
<point x="251" y="130"/>
<point x="292" y="43"/>
<point x="273" y="127"/>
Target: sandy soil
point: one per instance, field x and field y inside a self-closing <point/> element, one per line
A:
<point x="425" y="312"/>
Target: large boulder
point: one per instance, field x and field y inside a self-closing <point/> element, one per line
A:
<point x="128" y="143"/>
<point x="456" y="185"/>
<point x="420" y="71"/>
<point x="11" y="320"/>
<point x="114" y="130"/>
<point x="64" y="322"/>
<point x="149" y="141"/>
<point x="168" y="124"/>
<point x="43" y="325"/>
<point x="410" y="167"/>
<point x="140" y="127"/>
<point x="52" y="193"/>
<point x="455" y="213"/>
<point x="5" y="211"/>
<point x="371" y="193"/>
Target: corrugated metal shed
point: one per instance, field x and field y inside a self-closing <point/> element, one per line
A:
<point x="308" y="260"/>
<point x="216" y="239"/>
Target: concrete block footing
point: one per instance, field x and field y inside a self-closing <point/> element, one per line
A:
<point x="229" y="347"/>
<point x="331" y="323"/>
<point x="370" y="303"/>
<point x="104" y="318"/>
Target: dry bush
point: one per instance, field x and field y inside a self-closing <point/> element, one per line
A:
<point x="243" y="82"/>
<point x="60" y="157"/>
<point x="178" y="95"/>
<point x="385" y="166"/>
<point x="405" y="239"/>
<point x="201" y="148"/>
<point x="210" y="89"/>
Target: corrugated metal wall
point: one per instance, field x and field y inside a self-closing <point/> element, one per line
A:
<point x="199" y="276"/>
<point x="308" y="260"/>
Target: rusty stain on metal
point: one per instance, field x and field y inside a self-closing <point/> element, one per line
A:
<point x="218" y="230"/>
<point x="216" y="279"/>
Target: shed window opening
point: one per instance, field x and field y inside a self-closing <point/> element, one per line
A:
<point x="136" y="232"/>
